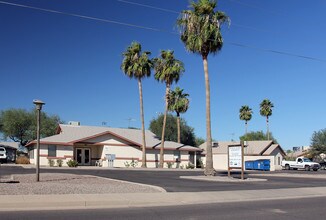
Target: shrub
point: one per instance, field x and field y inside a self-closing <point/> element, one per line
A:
<point x="190" y="166"/>
<point x="133" y="163"/>
<point x="72" y="163"/>
<point x="59" y="162"/>
<point x="51" y="162"/>
<point x="127" y="164"/>
<point x="22" y="160"/>
<point x="170" y="164"/>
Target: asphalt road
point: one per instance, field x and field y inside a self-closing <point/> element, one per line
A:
<point x="309" y="208"/>
<point x="170" y="181"/>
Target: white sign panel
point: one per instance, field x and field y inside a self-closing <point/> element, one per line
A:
<point x="235" y="157"/>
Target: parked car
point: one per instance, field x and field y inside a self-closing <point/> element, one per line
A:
<point x="3" y="155"/>
<point x="300" y="163"/>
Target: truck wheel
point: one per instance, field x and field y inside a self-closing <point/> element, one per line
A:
<point x="307" y="168"/>
<point x="315" y="169"/>
<point x="295" y="168"/>
<point x="287" y="166"/>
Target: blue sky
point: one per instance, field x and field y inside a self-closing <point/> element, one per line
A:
<point x="73" y="64"/>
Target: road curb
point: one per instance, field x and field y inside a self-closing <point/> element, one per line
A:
<point x="124" y="200"/>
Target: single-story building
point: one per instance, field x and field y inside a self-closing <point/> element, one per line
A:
<point x="89" y="145"/>
<point x="253" y="150"/>
<point x="11" y="150"/>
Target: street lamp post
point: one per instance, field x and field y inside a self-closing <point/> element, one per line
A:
<point x="38" y="106"/>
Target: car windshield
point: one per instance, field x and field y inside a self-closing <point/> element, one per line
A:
<point x="306" y="160"/>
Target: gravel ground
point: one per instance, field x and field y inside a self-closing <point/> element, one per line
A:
<point x="58" y="183"/>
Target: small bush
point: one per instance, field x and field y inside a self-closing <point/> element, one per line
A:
<point x="51" y="162"/>
<point x="133" y="163"/>
<point x="22" y="160"/>
<point x="170" y="164"/>
<point x="72" y="163"/>
<point x="59" y="162"/>
<point x="127" y="164"/>
<point x="181" y="167"/>
<point x="190" y="166"/>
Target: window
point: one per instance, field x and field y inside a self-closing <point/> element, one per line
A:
<point x="176" y="155"/>
<point x="278" y="160"/>
<point x="52" y="150"/>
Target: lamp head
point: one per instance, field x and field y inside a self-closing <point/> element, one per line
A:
<point x="38" y="103"/>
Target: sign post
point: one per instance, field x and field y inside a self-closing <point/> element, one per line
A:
<point x="236" y="158"/>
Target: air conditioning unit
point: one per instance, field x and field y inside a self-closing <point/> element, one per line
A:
<point x="74" y="123"/>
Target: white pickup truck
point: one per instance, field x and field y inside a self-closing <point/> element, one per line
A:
<point x="300" y="163"/>
<point x="3" y="154"/>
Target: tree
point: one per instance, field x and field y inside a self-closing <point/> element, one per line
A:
<point x="199" y="141"/>
<point x="187" y="132"/>
<point x="20" y="125"/>
<point x="201" y="33"/>
<point x="266" y="110"/>
<point x="137" y="64"/>
<point x="245" y="115"/>
<point x="167" y="70"/>
<point x="257" y="136"/>
<point x="179" y="103"/>
<point x="318" y="143"/>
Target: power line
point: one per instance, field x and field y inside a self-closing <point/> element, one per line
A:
<point x="177" y="12"/>
<point x="84" y="16"/>
<point x="159" y="30"/>
<point x="149" y="6"/>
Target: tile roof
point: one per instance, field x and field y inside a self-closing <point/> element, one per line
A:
<point x="70" y="134"/>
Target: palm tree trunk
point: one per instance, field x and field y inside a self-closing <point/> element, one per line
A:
<point x="246" y="128"/>
<point x="209" y="169"/>
<point x="143" y="160"/>
<point x="267" y="128"/>
<point x="179" y="127"/>
<point x="167" y="90"/>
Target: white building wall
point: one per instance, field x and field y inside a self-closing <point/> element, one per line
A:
<point x="220" y="161"/>
<point x="65" y="153"/>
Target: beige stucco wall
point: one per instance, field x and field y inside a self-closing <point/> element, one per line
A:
<point x="221" y="161"/>
<point x="65" y="153"/>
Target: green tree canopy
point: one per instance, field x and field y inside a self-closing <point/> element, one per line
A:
<point x="20" y="125"/>
<point x="318" y="142"/>
<point x="187" y="132"/>
<point x="257" y="136"/>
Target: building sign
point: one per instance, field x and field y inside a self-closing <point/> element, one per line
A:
<point x="235" y="157"/>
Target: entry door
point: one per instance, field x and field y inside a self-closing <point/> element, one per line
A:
<point x="83" y="156"/>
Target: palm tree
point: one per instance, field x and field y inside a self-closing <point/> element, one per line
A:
<point x="245" y="115"/>
<point x="179" y="103"/>
<point x="266" y="110"/>
<point x="201" y="33"/>
<point x="168" y="70"/>
<point x="137" y="64"/>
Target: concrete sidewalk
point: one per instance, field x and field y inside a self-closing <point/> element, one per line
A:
<point x="125" y="200"/>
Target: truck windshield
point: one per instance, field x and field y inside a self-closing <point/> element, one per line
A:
<point x="306" y="160"/>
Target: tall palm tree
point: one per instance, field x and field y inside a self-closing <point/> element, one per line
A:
<point x="168" y="70"/>
<point x="137" y="64"/>
<point x="245" y="115"/>
<point x="201" y="33"/>
<point x="266" y="110"/>
<point x="179" y="103"/>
